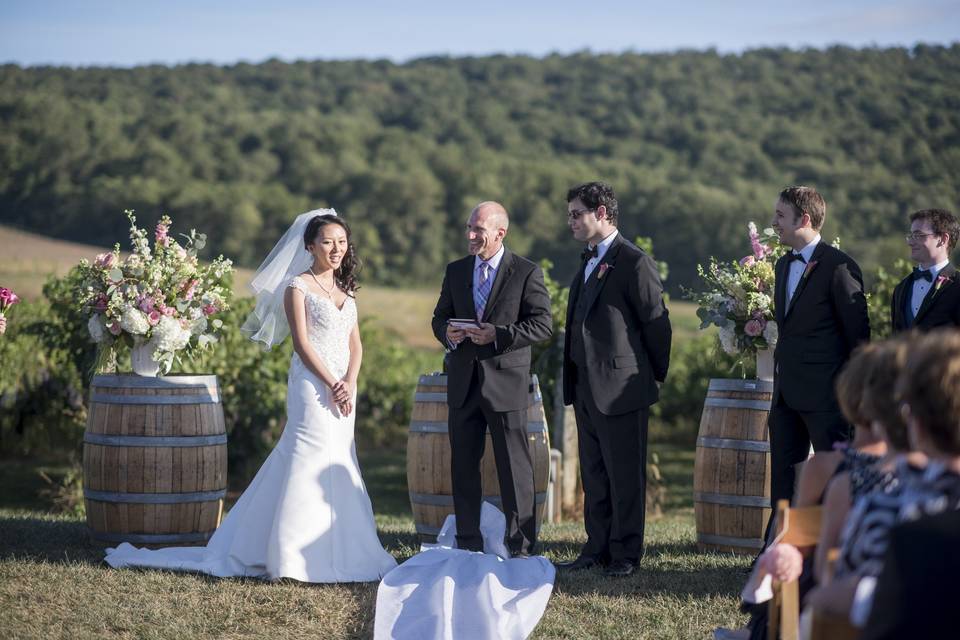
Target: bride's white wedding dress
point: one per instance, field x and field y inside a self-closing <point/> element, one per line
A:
<point x="306" y="515"/>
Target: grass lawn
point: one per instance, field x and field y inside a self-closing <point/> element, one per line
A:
<point x="53" y="583"/>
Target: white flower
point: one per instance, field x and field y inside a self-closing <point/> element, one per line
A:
<point x="134" y="321"/>
<point x="770" y="333"/>
<point x="97" y="328"/>
<point x="728" y="340"/>
<point x="169" y="336"/>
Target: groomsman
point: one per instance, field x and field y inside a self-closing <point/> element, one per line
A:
<point x="489" y="374"/>
<point x="616" y="353"/>
<point x="821" y="314"/>
<point x="929" y="297"/>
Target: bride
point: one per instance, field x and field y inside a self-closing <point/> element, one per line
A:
<point x="306" y="514"/>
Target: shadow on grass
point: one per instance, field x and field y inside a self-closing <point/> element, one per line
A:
<point x="47" y="540"/>
<point x="646" y="581"/>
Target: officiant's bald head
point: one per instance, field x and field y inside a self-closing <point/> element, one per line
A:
<point x="486" y="228"/>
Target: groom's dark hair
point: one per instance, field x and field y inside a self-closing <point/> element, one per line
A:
<point x="594" y="194"/>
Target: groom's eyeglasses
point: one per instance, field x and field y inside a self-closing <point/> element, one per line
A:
<point x="917" y="236"/>
<point x="575" y="214"/>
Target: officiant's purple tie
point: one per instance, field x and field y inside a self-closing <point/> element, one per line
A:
<point x="483" y="289"/>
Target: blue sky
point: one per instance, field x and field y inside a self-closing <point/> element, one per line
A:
<point x="127" y="33"/>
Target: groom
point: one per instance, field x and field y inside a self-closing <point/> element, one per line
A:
<point x="489" y="374"/>
<point x="616" y="353"/>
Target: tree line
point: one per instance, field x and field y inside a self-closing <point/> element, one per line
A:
<point x="696" y="144"/>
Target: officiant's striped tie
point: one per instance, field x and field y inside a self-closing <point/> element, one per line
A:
<point x="483" y="289"/>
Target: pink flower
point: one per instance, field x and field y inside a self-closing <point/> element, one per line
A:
<point x="8" y="298"/>
<point x="153" y="317"/>
<point x="941" y="280"/>
<point x="754" y="327"/>
<point x="168" y="311"/>
<point x="146" y="305"/>
<point x="747" y="261"/>
<point x="105" y="260"/>
<point x="161" y="234"/>
<point x="189" y="290"/>
<point x="604" y="267"/>
<point x="810" y="267"/>
<point x="211" y="309"/>
<point x="114" y="328"/>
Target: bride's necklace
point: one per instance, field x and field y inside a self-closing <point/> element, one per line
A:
<point x="333" y="284"/>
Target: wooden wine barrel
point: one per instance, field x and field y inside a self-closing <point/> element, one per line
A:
<point x="428" y="457"/>
<point x="731" y="480"/>
<point x="154" y="459"/>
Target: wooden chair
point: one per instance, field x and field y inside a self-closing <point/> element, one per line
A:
<point x="800" y="527"/>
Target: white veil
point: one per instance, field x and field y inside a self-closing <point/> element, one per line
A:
<point x="267" y="323"/>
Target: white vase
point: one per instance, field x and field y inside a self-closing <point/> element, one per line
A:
<point x="765" y="364"/>
<point x="141" y="358"/>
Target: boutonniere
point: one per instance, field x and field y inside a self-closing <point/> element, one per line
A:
<point x="810" y="267"/>
<point x="941" y="280"/>
<point x="604" y="267"/>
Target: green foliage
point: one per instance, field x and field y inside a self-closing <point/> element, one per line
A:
<point x="694" y="142"/>
<point x="880" y="297"/>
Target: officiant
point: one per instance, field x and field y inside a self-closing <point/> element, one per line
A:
<point x="500" y="307"/>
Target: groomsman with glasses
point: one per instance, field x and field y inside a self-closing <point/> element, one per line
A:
<point x="929" y="297"/>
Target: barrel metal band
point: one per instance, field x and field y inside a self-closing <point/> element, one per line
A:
<point x="729" y="541"/>
<point x="730" y="443"/>
<point x="154" y="441"/>
<point x="150" y="538"/>
<point x="200" y="398"/>
<point x="446" y="500"/>
<point x="154" y="498"/>
<point x="159" y="382"/>
<point x="428" y="426"/>
<point x="748" y="386"/>
<point x="737" y="403"/>
<point x="731" y="500"/>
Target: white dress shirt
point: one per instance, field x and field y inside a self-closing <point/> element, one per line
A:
<point x="601" y="251"/>
<point x="796" y="268"/>
<point x="921" y="287"/>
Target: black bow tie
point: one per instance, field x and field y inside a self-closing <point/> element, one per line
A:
<point x="922" y="274"/>
<point x="795" y="256"/>
<point x="589" y="253"/>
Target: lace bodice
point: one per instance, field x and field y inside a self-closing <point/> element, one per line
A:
<point x="328" y="328"/>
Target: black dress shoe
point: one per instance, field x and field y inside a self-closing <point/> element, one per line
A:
<point x="620" y="568"/>
<point x="519" y="554"/>
<point x="581" y="563"/>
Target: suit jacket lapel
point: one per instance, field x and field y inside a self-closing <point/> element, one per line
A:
<point x="899" y="302"/>
<point x="503" y="274"/>
<point x="948" y="272"/>
<point x="597" y="282"/>
<point x="805" y="276"/>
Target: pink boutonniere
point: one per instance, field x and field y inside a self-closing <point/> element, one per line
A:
<point x="603" y="270"/>
<point x="941" y="280"/>
<point x="810" y="267"/>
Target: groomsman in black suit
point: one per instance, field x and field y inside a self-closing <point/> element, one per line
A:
<point x="929" y="297"/>
<point x="489" y="374"/>
<point x="821" y="314"/>
<point x="616" y="353"/>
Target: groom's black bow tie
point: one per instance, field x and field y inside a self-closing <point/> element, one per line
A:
<point x="795" y="256"/>
<point x="922" y="274"/>
<point x="588" y="253"/>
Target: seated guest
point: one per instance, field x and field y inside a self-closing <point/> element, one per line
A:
<point x="857" y="383"/>
<point x="917" y="589"/>
<point x="930" y="296"/>
<point x="880" y="410"/>
<point x="927" y="484"/>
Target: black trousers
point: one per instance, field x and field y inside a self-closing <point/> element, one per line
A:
<point x="613" y="468"/>
<point x="791" y="434"/>
<point x="508" y="432"/>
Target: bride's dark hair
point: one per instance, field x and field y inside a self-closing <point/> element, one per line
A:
<point x="346" y="273"/>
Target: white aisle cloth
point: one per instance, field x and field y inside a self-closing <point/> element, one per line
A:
<point x="306" y="515"/>
<point x="445" y="593"/>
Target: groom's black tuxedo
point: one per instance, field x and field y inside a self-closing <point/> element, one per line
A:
<point x="489" y="385"/>
<point x="825" y="320"/>
<point x="616" y="349"/>
<point x="940" y="307"/>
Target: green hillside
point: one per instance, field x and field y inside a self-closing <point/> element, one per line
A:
<point x="697" y="144"/>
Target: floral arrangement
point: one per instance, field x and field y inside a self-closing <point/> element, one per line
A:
<point x="739" y="296"/>
<point x="162" y="297"/>
<point x="7" y="299"/>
